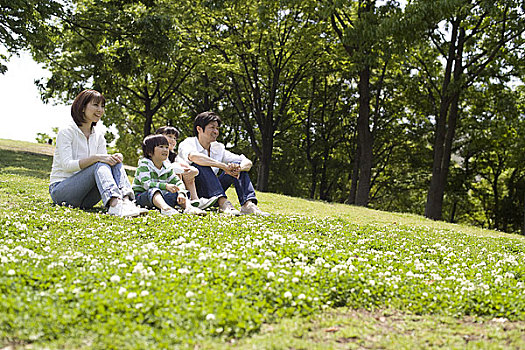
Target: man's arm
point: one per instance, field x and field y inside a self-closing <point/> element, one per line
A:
<point x="204" y="160"/>
<point x="246" y="164"/>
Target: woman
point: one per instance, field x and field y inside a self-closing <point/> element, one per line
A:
<point x="83" y="172"/>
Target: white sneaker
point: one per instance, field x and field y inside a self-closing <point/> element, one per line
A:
<point x="169" y="212"/>
<point x="229" y="209"/>
<point x="131" y="204"/>
<point x="123" y="210"/>
<point x="194" y="211"/>
<point x="204" y="203"/>
<point x="252" y="209"/>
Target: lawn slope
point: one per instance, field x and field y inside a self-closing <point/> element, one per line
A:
<point x="311" y="275"/>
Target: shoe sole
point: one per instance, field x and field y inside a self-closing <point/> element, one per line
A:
<point x="209" y="204"/>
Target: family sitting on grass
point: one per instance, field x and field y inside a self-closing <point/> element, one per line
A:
<point x="83" y="173"/>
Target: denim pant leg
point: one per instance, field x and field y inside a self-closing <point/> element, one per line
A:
<point x="243" y="186"/>
<point x="79" y="190"/>
<point x="114" y="183"/>
<point x="145" y="199"/>
<point x="207" y="183"/>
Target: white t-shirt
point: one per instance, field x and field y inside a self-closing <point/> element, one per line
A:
<point x="71" y="146"/>
<point x="218" y="152"/>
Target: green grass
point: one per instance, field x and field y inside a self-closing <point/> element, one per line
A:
<point x="313" y="275"/>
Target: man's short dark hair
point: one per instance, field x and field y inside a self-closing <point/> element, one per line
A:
<point x="204" y="119"/>
<point x="152" y="141"/>
<point x="80" y="103"/>
<point x="168" y="130"/>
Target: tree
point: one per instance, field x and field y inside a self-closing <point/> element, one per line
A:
<point x="266" y="48"/>
<point x="26" y="24"/>
<point x="473" y="35"/>
<point x="365" y="31"/>
<point x="137" y="53"/>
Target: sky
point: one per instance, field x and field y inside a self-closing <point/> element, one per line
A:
<point x="23" y="114"/>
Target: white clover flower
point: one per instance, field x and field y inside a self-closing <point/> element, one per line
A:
<point x="301" y="296"/>
<point x="200" y="275"/>
<point x="288" y="295"/>
<point x="295" y="280"/>
<point x="115" y="279"/>
<point x="60" y="290"/>
<point x="229" y="294"/>
<point x="366" y="291"/>
<point x="11" y="272"/>
<point x="270" y="275"/>
<point x="122" y="290"/>
<point x="210" y="317"/>
<point x="233" y="274"/>
<point x="183" y="271"/>
<point x="219" y="330"/>
<point x="189" y="294"/>
<point x="132" y="295"/>
<point x="144" y="293"/>
<point x="139" y="305"/>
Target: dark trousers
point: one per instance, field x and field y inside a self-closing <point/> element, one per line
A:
<point x="208" y="184"/>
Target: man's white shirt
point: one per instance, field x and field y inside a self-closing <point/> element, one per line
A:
<point x="218" y="152"/>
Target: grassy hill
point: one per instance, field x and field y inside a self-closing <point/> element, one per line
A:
<point x="313" y="275"/>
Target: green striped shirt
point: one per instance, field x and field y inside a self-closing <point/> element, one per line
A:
<point x="149" y="176"/>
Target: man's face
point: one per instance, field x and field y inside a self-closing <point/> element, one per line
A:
<point x="210" y="132"/>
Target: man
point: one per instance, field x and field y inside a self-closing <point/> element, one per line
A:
<point x="209" y="156"/>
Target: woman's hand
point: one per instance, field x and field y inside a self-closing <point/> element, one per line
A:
<point x="111" y="159"/>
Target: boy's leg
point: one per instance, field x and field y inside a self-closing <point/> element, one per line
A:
<point x="79" y="190"/>
<point x="189" y="182"/>
<point x="243" y="186"/>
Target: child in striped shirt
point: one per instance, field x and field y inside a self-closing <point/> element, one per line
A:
<point x="156" y="182"/>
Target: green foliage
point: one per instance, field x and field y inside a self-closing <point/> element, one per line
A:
<point x="43" y="137"/>
<point x="85" y="279"/>
<point x="26" y="24"/>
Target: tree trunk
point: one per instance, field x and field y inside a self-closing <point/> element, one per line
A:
<point x="148" y="118"/>
<point x="263" y="174"/>
<point x="434" y="205"/>
<point x="355" y="178"/>
<point x="364" y="138"/>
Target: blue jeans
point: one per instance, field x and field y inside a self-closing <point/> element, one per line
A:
<point x="85" y="188"/>
<point x="208" y="184"/>
<point x="145" y="199"/>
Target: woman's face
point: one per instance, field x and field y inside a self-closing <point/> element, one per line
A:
<point x="93" y="111"/>
<point x="172" y="141"/>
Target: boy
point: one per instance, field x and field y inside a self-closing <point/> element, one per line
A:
<point x="188" y="176"/>
<point x="156" y="182"/>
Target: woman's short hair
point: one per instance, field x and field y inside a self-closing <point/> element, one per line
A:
<point x="81" y="101"/>
<point x="204" y="119"/>
<point x="152" y="141"/>
<point x="168" y="130"/>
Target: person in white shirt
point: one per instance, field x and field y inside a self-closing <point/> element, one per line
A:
<point x="209" y="156"/>
<point x="83" y="172"/>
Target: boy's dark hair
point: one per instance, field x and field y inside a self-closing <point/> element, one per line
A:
<point x="152" y="141"/>
<point x="80" y="103"/>
<point x="168" y="130"/>
<point x="204" y="119"/>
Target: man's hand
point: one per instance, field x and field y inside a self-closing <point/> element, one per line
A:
<point x="233" y="169"/>
<point x="172" y="188"/>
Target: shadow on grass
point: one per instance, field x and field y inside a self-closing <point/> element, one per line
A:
<point x="25" y="164"/>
